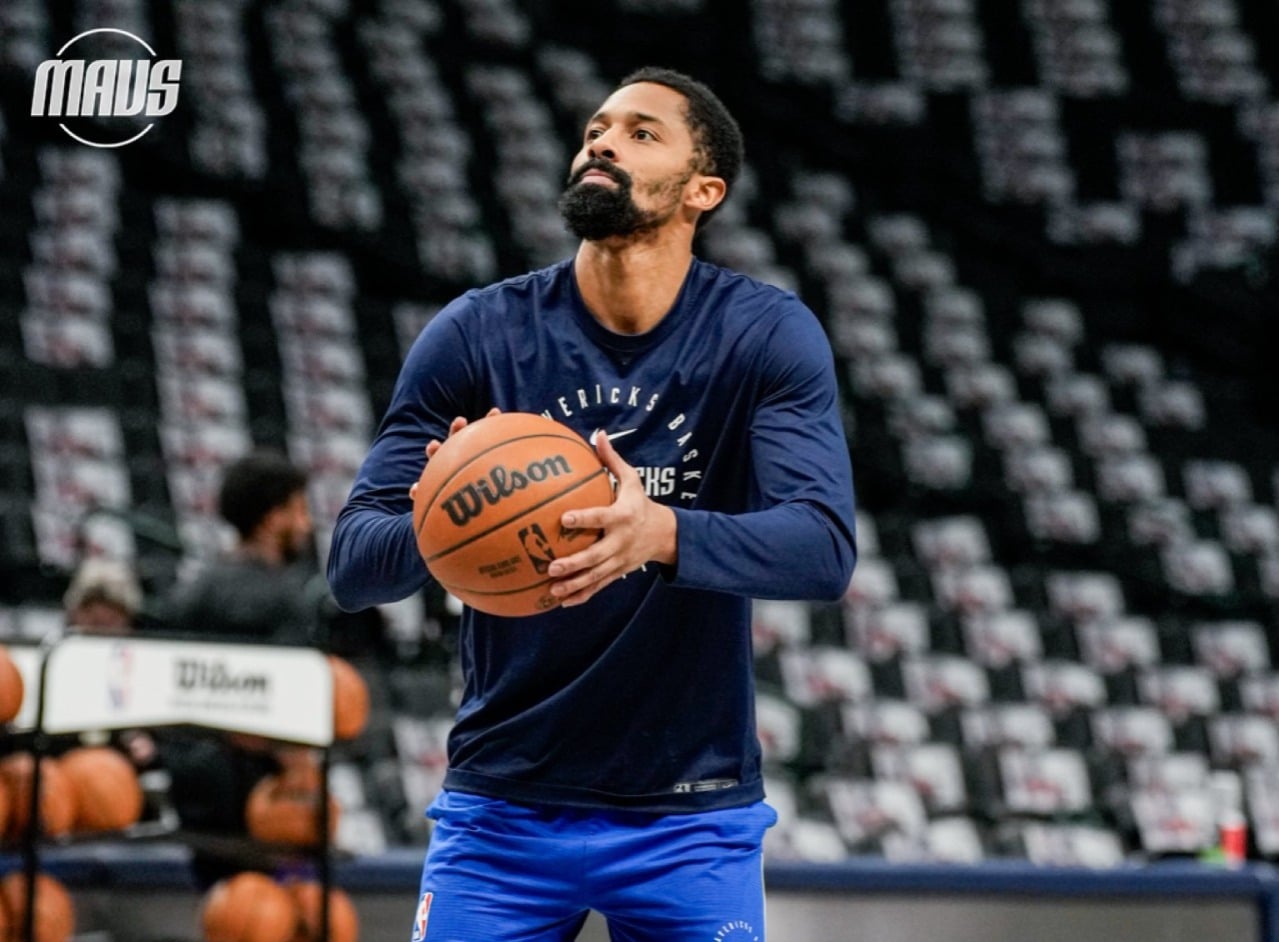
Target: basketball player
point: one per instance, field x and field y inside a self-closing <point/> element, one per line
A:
<point x="604" y="754"/>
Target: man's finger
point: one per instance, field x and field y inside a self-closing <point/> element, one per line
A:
<point x="612" y="460"/>
<point x="588" y="518"/>
<point x="458" y="423"/>
<point x="590" y="579"/>
<point x="592" y="555"/>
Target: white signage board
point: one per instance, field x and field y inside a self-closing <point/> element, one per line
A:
<point x="123" y="683"/>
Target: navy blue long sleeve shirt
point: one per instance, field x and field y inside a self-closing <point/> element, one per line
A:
<point x="643" y="697"/>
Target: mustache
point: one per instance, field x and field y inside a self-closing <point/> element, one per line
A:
<point x="619" y="176"/>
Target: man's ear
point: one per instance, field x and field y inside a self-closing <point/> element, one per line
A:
<point x="706" y="192"/>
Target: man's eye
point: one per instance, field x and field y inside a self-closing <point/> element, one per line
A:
<point x="645" y="135"/>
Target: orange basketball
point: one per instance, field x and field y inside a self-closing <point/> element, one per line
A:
<point x="57" y="795"/>
<point x="6" y="809"/>
<point x="248" y="907"/>
<point x="11" y="687"/>
<point x="344" y="924"/>
<point x="350" y="699"/>
<point x="284" y="809"/>
<point x="108" y="795"/>
<point x="55" y="913"/>
<point x="488" y="505"/>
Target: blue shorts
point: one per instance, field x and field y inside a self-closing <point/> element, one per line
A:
<point x="500" y="872"/>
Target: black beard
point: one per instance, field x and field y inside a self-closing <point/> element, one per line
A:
<point x="593" y="212"/>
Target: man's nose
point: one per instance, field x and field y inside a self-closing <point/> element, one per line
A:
<point x="601" y="147"/>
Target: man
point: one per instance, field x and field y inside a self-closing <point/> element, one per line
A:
<point x="604" y="755"/>
<point x="261" y="591"/>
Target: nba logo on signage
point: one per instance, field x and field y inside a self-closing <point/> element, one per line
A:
<point x="119" y="676"/>
<point x="105" y="87"/>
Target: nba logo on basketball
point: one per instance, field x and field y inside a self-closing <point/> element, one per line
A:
<point x="538" y="548"/>
<point x="423" y="914"/>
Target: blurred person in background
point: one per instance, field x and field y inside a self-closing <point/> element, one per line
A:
<point x="104" y="596"/>
<point x="267" y="587"/>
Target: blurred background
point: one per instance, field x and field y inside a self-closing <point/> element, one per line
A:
<point x="1041" y="235"/>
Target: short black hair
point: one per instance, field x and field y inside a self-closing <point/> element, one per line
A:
<point x="716" y="134"/>
<point x="255" y="485"/>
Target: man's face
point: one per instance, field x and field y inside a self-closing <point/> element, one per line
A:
<point x="637" y="159"/>
<point x="294" y="527"/>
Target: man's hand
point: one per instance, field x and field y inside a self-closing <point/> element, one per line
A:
<point x="636" y="530"/>
<point x="434" y="444"/>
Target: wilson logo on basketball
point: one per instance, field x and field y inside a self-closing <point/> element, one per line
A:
<point x="469" y="501"/>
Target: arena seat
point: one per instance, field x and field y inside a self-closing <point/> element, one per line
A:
<point x="1043" y="295"/>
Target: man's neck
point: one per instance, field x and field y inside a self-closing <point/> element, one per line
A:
<point x="630" y="287"/>
<point x="261" y="548"/>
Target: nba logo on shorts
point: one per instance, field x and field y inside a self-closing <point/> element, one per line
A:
<point x="423" y="914"/>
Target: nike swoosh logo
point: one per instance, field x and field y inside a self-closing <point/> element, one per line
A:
<point x="612" y="436"/>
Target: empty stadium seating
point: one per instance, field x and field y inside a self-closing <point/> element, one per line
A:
<point x="1040" y="235"/>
